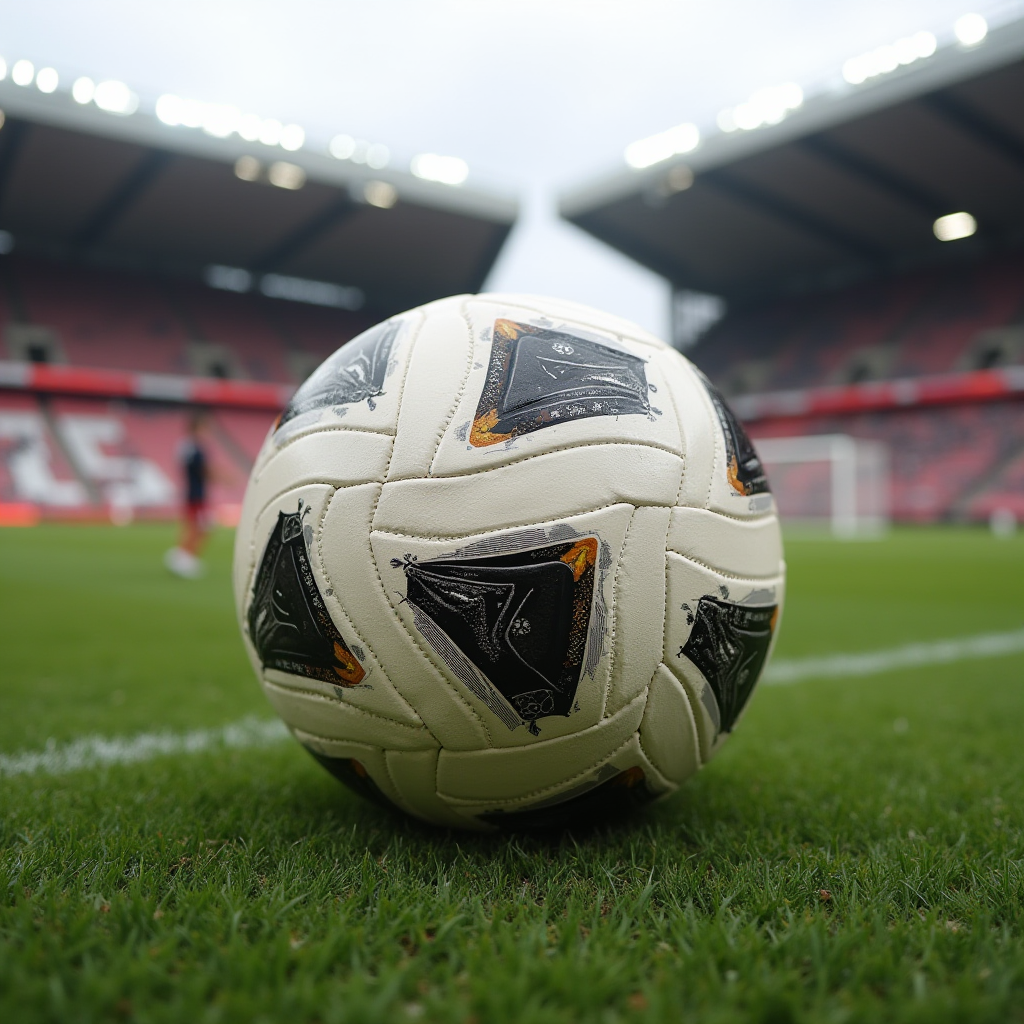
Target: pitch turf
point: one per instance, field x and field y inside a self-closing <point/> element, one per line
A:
<point x="855" y="853"/>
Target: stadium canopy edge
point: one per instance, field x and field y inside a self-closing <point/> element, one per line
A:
<point x="848" y="185"/>
<point x="82" y="184"/>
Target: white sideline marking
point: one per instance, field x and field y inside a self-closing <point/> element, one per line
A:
<point x="939" y="652"/>
<point x="100" y="751"/>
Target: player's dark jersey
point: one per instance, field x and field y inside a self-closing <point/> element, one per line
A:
<point x="193" y="464"/>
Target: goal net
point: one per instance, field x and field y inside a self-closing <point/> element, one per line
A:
<point x="829" y="480"/>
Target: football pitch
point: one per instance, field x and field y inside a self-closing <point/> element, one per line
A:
<point x="856" y="853"/>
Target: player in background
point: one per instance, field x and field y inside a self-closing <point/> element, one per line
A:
<point x="184" y="560"/>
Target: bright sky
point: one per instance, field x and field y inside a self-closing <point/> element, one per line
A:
<point x="536" y="95"/>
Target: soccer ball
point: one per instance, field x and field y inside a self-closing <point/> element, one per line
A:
<point x="506" y="560"/>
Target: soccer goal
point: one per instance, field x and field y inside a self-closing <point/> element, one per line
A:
<point x="830" y="480"/>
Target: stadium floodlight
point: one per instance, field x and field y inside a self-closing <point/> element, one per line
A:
<point x="286" y="175"/>
<point x="378" y="156"/>
<point x="228" y="279"/>
<point x="169" y="108"/>
<point x="954" y="225"/>
<point x="679" y="178"/>
<point x="115" y="98"/>
<point x="220" y="119"/>
<point x="270" y="131"/>
<point x="47" y="80"/>
<point x="683" y="138"/>
<point x="885" y="59"/>
<point x="316" y="293"/>
<point x="223" y="119"/>
<point x="249" y="126"/>
<point x="854" y="71"/>
<point x="23" y="72"/>
<point x="292" y="137"/>
<point x="970" y="29"/>
<point x="766" y="106"/>
<point x="342" y="147"/>
<point x="448" y="170"/>
<point x="359" y="151"/>
<point x="174" y="111"/>
<point x="380" y="194"/>
<point x="925" y="43"/>
<point x="248" y="168"/>
<point x="83" y="90"/>
<point x="192" y="113"/>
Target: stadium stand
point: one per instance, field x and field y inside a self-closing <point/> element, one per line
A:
<point x="83" y="457"/>
<point x="947" y="463"/>
<point x="87" y="317"/>
<point x="928" y="322"/>
<point x="1004" y="491"/>
<point x="92" y="318"/>
<point x="79" y="456"/>
<point x="848" y="310"/>
<point x="114" y="323"/>
<point x="34" y="467"/>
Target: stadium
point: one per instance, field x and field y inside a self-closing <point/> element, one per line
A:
<point x="843" y="260"/>
<point x="150" y="270"/>
<point x="847" y="313"/>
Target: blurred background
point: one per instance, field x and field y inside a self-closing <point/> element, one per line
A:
<point x="823" y="205"/>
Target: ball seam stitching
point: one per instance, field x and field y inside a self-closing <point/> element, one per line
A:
<point x="414" y="331"/>
<point x="565" y="447"/>
<point x="458" y="395"/>
<point x="520" y="526"/>
<point x="614" y="615"/>
<point x="305" y="691"/>
<point x="718" y="572"/>
<point x="376" y="568"/>
<point x="533" y="794"/>
<point x="683" y="445"/>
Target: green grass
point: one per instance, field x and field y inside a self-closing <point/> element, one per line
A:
<point x="827" y="866"/>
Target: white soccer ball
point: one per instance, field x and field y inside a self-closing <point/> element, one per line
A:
<point x="506" y="559"/>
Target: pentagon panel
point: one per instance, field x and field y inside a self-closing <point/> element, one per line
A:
<point x="520" y="618"/>
<point x="355" y="373"/>
<point x="288" y="623"/>
<point x="539" y="377"/>
<point x="745" y="472"/>
<point x="729" y="643"/>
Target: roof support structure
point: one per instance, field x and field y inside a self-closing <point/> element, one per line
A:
<point x="675" y="271"/>
<point x="882" y="178"/>
<point x="138" y="180"/>
<point x="306" y="234"/>
<point x="974" y="123"/>
<point x="783" y="210"/>
<point x="12" y="139"/>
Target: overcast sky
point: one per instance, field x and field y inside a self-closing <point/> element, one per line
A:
<point x="536" y="95"/>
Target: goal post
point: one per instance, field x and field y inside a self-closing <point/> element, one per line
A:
<point x="832" y="480"/>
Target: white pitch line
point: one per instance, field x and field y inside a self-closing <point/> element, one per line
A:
<point x="939" y="652"/>
<point x="100" y="751"/>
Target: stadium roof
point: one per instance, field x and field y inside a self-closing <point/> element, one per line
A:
<point x="849" y="184"/>
<point x="77" y="182"/>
